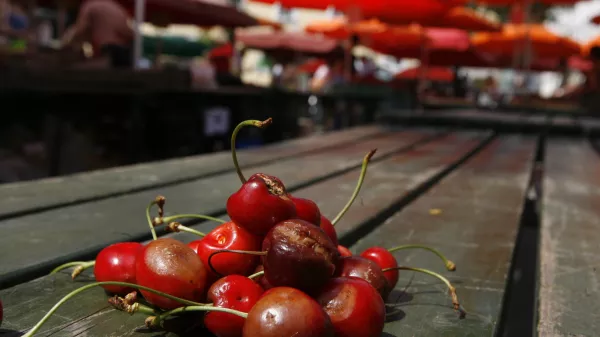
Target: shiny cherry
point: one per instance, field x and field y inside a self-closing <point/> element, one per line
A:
<point x="299" y="255"/>
<point x="355" y="308"/>
<point x="344" y="251"/>
<point x="307" y="210"/>
<point x="328" y="228"/>
<point x="228" y="236"/>
<point x="286" y="311"/>
<point x="357" y="266"/>
<point x="117" y="263"/>
<point x="233" y="292"/>
<point x="384" y="260"/>
<point x="170" y="266"/>
<point x="260" y="204"/>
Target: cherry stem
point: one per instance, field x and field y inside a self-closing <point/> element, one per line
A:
<point x="177" y="227"/>
<point x="449" y="264"/>
<point x="230" y="251"/>
<point x="67" y="265"/>
<point x="255" y="275"/>
<point x="96" y="284"/>
<point x="451" y="289"/>
<point x="160" y="221"/>
<point x="160" y="202"/>
<point x="361" y="178"/>
<point x="79" y="269"/>
<point x="251" y="122"/>
<point x="157" y="320"/>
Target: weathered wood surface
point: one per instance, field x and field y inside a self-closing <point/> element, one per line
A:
<point x="82" y="230"/>
<point x="472" y="216"/>
<point x="23" y="197"/>
<point x="387" y="181"/>
<point x="569" y="293"/>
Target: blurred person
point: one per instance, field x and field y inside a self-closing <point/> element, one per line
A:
<point x="105" y="24"/>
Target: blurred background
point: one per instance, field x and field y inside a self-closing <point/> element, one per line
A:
<point x="91" y="84"/>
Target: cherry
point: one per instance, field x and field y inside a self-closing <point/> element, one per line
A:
<point x="307" y="210"/>
<point x="234" y="292"/>
<point x="328" y="228"/>
<point x="172" y="267"/>
<point x="228" y="236"/>
<point x="355" y="308"/>
<point x="344" y="251"/>
<point x="298" y="254"/>
<point x="260" y="204"/>
<point x="357" y="266"/>
<point x="117" y="263"/>
<point x="384" y="259"/>
<point x="286" y="311"/>
<point x="262" y="280"/>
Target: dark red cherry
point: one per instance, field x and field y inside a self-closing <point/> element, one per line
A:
<point x="328" y="228"/>
<point x="344" y="251"/>
<point x="356" y="266"/>
<point x="307" y="210"/>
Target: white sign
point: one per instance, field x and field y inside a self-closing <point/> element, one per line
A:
<point x="216" y="121"/>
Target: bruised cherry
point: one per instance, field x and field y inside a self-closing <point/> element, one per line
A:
<point x="384" y="260"/>
<point x="298" y="254"/>
<point x="286" y="311"/>
<point x="233" y="292"/>
<point x="357" y="266"/>
<point x="170" y="266"/>
<point x="117" y="263"/>
<point x="228" y="236"/>
<point x="262" y="280"/>
<point x="260" y="204"/>
<point x="344" y="251"/>
<point x="328" y="228"/>
<point x="355" y="308"/>
<point x="307" y="210"/>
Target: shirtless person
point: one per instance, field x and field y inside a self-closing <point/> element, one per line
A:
<point x="105" y="24"/>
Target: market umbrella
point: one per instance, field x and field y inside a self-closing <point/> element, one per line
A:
<point x="435" y="74"/>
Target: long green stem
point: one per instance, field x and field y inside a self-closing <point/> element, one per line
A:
<point x="361" y="178"/>
<point x="451" y="288"/>
<point x="160" y="202"/>
<point x="252" y="122"/>
<point x="449" y="264"/>
<point x="190" y="216"/>
<point x="177" y="227"/>
<point x="255" y="275"/>
<point x="96" y="284"/>
<point x="157" y="320"/>
<point x="67" y="265"/>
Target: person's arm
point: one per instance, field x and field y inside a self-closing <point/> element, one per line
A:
<point x="77" y="30"/>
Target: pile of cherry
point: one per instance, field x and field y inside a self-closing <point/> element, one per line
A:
<point x="275" y="269"/>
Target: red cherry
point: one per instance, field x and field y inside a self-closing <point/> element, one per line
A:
<point x="328" y="228"/>
<point x="344" y="251"/>
<point x="287" y="311"/>
<point x="233" y="292"/>
<point x="356" y="266"/>
<point x="307" y="210"/>
<point x="355" y="308"/>
<point x="117" y="263"/>
<point x="228" y="236"/>
<point x="298" y="254"/>
<point x="384" y="259"/>
<point x="170" y="266"/>
<point x="260" y="204"/>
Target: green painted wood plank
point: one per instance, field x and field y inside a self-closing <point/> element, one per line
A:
<point x="40" y="241"/>
<point x="22" y="197"/>
<point x="480" y="205"/>
<point x="568" y="285"/>
<point x="392" y="177"/>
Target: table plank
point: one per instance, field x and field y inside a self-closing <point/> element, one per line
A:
<point x="410" y="169"/>
<point x="82" y="230"/>
<point x="570" y="230"/>
<point x="480" y="206"/>
<point x="26" y="197"/>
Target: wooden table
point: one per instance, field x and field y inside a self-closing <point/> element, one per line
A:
<point x="468" y="193"/>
